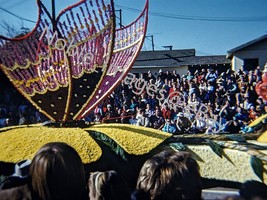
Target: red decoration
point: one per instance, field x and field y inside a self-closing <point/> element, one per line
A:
<point x="261" y="87"/>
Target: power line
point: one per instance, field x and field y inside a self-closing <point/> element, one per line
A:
<point x="199" y="18"/>
<point x="19" y="17"/>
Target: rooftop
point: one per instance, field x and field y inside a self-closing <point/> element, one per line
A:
<point x="245" y="45"/>
<point x="174" y="58"/>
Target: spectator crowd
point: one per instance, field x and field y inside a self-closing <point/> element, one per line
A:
<point x="229" y="99"/>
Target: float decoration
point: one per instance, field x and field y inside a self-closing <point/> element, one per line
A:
<point x="67" y="65"/>
<point x="261" y="87"/>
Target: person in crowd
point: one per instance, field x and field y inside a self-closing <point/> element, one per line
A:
<point x="142" y="119"/>
<point x="169" y="127"/>
<point x="153" y="101"/>
<point x="175" y="76"/>
<point x="4" y="120"/>
<point x="173" y="90"/>
<point x="107" y="118"/>
<point x="133" y="106"/>
<point x="150" y="76"/>
<point x="157" y="120"/>
<point x="233" y="126"/>
<point x="211" y="76"/>
<point x="183" y="123"/>
<point x="97" y="118"/>
<point x="247" y="103"/>
<point x="166" y="111"/>
<point x="189" y="75"/>
<point x="210" y="95"/>
<point x="143" y="100"/>
<point x="253" y="190"/>
<point x="231" y="87"/>
<point x="225" y="113"/>
<point x="149" y="111"/>
<point x="260" y="103"/>
<point x="109" y="109"/>
<point x="108" y="185"/>
<point x="98" y="111"/>
<point x="170" y="175"/>
<point x="253" y="114"/>
<point x="56" y="173"/>
<point x="194" y="99"/>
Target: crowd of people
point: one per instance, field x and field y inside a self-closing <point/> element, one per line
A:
<point x="57" y="173"/>
<point x="202" y="101"/>
<point x="16" y="110"/>
<point x="227" y="100"/>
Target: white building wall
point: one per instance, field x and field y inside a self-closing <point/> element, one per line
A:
<point x="258" y="51"/>
<point x="240" y="56"/>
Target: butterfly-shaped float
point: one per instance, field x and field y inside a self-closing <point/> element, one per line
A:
<point x="66" y="66"/>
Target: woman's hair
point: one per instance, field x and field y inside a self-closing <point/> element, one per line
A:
<point x="57" y="172"/>
<point x="253" y="190"/>
<point x="108" y="185"/>
<point x="170" y="175"/>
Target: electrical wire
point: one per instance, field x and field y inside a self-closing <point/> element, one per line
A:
<point x="199" y="18"/>
<point x="17" y="16"/>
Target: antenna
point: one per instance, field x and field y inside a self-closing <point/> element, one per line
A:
<point x="168" y="47"/>
<point x="152" y="41"/>
<point x="120" y="17"/>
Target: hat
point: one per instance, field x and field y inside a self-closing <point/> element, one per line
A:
<point x="108" y="106"/>
<point x="160" y="71"/>
<point x="19" y="178"/>
<point x="22" y="168"/>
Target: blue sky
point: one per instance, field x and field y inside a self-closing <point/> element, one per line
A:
<point x="212" y="27"/>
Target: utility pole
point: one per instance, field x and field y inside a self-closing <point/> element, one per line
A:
<point x="152" y="41"/>
<point x="53" y="14"/>
<point x="120" y="17"/>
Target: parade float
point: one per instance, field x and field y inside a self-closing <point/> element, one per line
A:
<point x="69" y="64"/>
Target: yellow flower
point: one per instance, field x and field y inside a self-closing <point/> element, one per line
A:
<point x="23" y="142"/>
<point x="135" y="140"/>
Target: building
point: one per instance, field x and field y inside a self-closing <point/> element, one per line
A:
<point x="178" y="60"/>
<point x="249" y="55"/>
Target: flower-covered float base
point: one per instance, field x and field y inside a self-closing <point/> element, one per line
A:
<point x="222" y="158"/>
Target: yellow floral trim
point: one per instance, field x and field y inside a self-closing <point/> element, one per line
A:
<point x="23" y="142"/>
<point x="263" y="137"/>
<point x="258" y="120"/>
<point x="135" y="140"/>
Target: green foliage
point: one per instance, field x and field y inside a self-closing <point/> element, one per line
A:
<point x="110" y="143"/>
<point x="257" y="166"/>
<point x="177" y="146"/>
<point x="215" y="147"/>
<point x="237" y="138"/>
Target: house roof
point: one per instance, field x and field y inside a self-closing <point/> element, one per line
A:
<point x="245" y="45"/>
<point x="175" y="58"/>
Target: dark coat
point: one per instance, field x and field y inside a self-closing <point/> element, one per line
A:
<point x="16" y="193"/>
